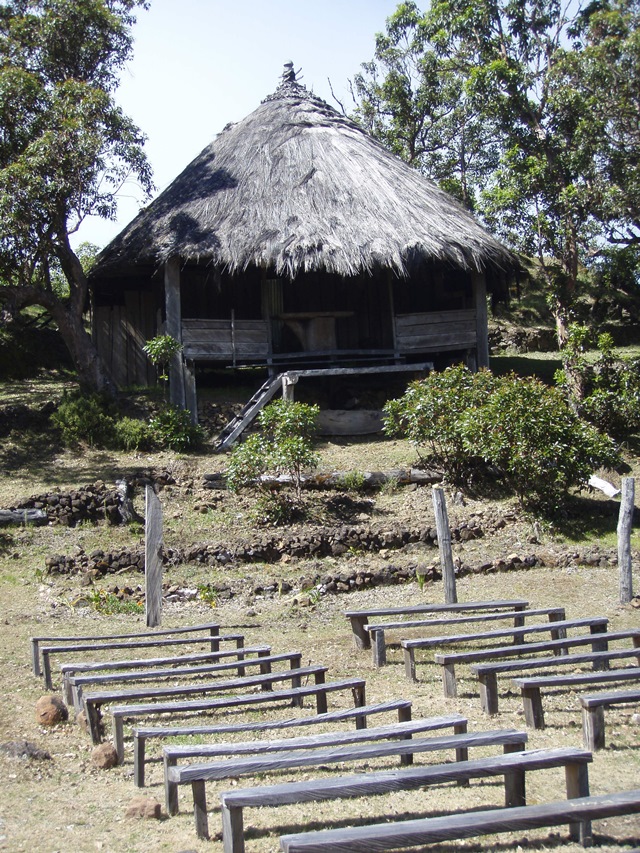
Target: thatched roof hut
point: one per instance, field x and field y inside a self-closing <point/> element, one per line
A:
<point x="296" y="233"/>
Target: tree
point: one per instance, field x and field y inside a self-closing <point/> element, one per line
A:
<point x="557" y="163"/>
<point x="65" y="150"/>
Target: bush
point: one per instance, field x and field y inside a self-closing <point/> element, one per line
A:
<point x="133" y="434"/>
<point x="85" y="420"/>
<point x="172" y="428"/>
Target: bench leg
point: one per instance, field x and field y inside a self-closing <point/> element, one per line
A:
<point x="489" y="693"/>
<point x="449" y="680"/>
<point x="360" y="636"/>
<point x="577" y="777"/>
<point x="170" y="788"/>
<point x="35" y="656"/>
<point x="265" y="669"/>
<point x="359" y="701"/>
<point x="67" y="691"/>
<point x="46" y="669"/>
<point x="410" y="664"/>
<point x="532" y="702"/>
<point x="232" y="829"/>
<point x="214" y="632"/>
<point x="515" y="793"/>
<point x="379" y="649"/>
<point x="118" y="736"/>
<point x="139" y="749"/>
<point x="600" y="642"/>
<point x="200" y="808"/>
<point x="92" y="712"/>
<point x="518" y="622"/>
<point x="593" y="728"/>
<point x="461" y="754"/>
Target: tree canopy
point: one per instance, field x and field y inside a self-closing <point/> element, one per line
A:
<point x="518" y="120"/>
<point x="65" y="150"/>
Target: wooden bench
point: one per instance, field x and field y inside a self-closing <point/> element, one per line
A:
<point x="593" y="705"/>
<point x="212" y="628"/>
<point x="487" y="672"/>
<point x="264" y="662"/>
<point x="377" y="632"/>
<point x="531" y="688"/>
<point x="295" y="695"/>
<point x="596" y="624"/>
<point x="598" y="641"/>
<point x="410" y="833"/>
<point x="359" y="618"/>
<point x="198" y="774"/>
<point x="513" y="766"/>
<point x="403" y="731"/>
<point x="70" y="670"/>
<point x="92" y="702"/>
<point x="213" y="641"/>
<point x="141" y="734"/>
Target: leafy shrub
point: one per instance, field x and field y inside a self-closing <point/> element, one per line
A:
<point x="171" y="428"/>
<point x="276" y="509"/>
<point x="85" y="420"/>
<point x="283" y="445"/>
<point x="541" y="447"/>
<point x="160" y="350"/>
<point x="133" y="434"/>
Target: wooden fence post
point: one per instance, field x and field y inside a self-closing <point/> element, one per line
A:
<point x="153" y="558"/>
<point x="625" y="523"/>
<point x="444" y="545"/>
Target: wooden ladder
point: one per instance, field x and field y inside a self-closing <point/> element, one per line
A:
<point x="249" y="411"/>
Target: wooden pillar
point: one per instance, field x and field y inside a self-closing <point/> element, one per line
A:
<point x="153" y="558"/>
<point x="444" y="545"/>
<point x="625" y="523"/>
<point x="482" y="323"/>
<point x="173" y="327"/>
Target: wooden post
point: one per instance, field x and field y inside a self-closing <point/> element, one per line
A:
<point x="153" y="558"/>
<point x="482" y="324"/>
<point x="625" y="523"/>
<point x="289" y="380"/>
<point x="173" y="327"/>
<point x="444" y="545"/>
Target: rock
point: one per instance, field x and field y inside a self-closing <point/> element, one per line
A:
<point x="104" y="756"/>
<point x="51" y="710"/>
<point x="144" y="807"/>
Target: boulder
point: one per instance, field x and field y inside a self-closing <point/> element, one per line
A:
<point x="104" y="756"/>
<point x="144" y="807"/>
<point x="51" y="710"/>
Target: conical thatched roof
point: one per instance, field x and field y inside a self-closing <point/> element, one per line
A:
<point x="296" y="186"/>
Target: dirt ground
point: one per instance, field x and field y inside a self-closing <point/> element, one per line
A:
<point x="65" y="804"/>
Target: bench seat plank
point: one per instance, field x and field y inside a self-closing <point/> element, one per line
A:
<point x="387" y="836"/>
<point x="387" y="781"/>
<point x="143" y="733"/>
<point x="593" y="705"/>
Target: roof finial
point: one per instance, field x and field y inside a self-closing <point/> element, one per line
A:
<point x="288" y="75"/>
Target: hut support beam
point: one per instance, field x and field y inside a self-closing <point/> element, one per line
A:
<point x="482" y="323"/>
<point x="173" y="327"/>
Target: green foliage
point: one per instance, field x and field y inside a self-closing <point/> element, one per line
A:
<point x="283" y="445"/>
<point x="520" y="429"/>
<point x="352" y="481"/>
<point x="605" y="390"/>
<point x="208" y="594"/>
<point x="109" y="603"/>
<point x="85" y="420"/>
<point x="160" y="350"/>
<point x="171" y="428"/>
<point x="133" y="434"/>
<point x="276" y="509"/>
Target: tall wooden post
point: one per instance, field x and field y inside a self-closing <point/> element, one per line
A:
<point x="289" y="381"/>
<point x="625" y="523"/>
<point x="173" y="327"/>
<point x="444" y="545"/>
<point x="153" y="558"/>
<point x="482" y="322"/>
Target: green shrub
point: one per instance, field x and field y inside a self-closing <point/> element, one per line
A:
<point x="133" y="434"/>
<point x="276" y="509"/>
<point x="171" y="428"/>
<point x="85" y="420"/>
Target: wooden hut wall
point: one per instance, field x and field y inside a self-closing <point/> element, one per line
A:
<point x="121" y="329"/>
<point x="206" y="293"/>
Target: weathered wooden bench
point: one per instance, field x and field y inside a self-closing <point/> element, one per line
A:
<point x="531" y="688"/>
<point x="410" y="833"/>
<point x="377" y="631"/>
<point x="213" y="641"/>
<point x="513" y="766"/>
<point x="596" y="624"/>
<point x="263" y="662"/>
<point x="599" y="642"/>
<point x="593" y="705"/>
<point x="296" y="696"/>
<point x="212" y="628"/>
<point x="93" y="702"/>
<point x="487" y="672"/>
<point x="70" y="670"/>
<point x="359" y="618"/>
<point x="141" y="734"/>
<point x="198" y="774"/>
<point x="340" y="737"/>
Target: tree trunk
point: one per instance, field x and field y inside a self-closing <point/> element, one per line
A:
<point x="92" y="373"/>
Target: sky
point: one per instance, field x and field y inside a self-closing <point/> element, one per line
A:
<point x="200" y="64"/>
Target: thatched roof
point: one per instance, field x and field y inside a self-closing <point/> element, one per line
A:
<point x="294" y="187"/>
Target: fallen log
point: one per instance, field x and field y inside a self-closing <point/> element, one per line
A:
<point x="22" y="516"/>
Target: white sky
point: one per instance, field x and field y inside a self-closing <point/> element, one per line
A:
<point x="200" y="64"/>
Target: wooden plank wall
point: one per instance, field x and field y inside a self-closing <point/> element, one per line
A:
<point x="120" y="332"/>
<point x="436" y="331"/>
<point x="215" y="339"/>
